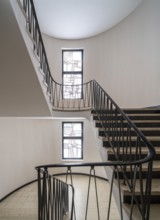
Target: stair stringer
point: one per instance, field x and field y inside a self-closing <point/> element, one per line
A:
<point x="109" y="172"/>
<point x="21" y="20"/>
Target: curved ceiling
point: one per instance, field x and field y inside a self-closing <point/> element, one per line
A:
<point x="77" y="19"/>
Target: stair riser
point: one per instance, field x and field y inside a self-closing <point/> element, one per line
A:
<point x="132" y="117"/>
<point x="155" y="199"/>
<point x="147" y="133"/>
<point x="144" y="174"/>
<point x="129" y="111"/>
<point x="132" y="157"/>
<point x="138" y="124"/>
<point x="111" y="157"/>
<point x="141" y="121"/>
<point x="142" y="111"/>
<point x="131" y="143"/>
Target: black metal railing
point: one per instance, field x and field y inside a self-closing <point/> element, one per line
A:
<point x="139" y="204"/>
<point x="55" y="90"/>
<point x="55" y="197"/>
<point x="128" y="145"/>
<point x="118" y="128"/>
<point x="75" y="104"/>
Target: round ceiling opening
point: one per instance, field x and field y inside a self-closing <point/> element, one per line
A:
<point x="78" y="19"/>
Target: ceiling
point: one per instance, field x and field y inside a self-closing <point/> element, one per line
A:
<point x="78" y="19"/>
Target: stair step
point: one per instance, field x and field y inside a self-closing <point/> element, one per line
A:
<point x="131" y="111"/>
<point x="139" y="123"/>
<point x="146" y="131"/>
<point x="148" y="122"/>
<point x="133" y="150"/>
<point x="155" y="191"/>
<point x="154" y="211"/>
<point x="131" y="116"/>
<point x="144" y="117"/>
<point x="144" y="151"/>
<point x="129" y="171"/>
<point x="155" y="141"/>
<point x="141" y="110"/>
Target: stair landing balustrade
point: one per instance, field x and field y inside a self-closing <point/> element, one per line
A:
<point x="56" y="199"/>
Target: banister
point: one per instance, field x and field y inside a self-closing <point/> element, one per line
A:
<point x="151" y="152"/>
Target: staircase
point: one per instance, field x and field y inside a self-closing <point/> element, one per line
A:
<point x="130" y="154"/>
<point x="148" y="122"/>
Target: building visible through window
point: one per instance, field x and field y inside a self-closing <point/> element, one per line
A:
<point x="72" y="140"/>
<point x="72" y="73"/>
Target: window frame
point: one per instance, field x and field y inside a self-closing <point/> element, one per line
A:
<point x="72" y="72"/>
<point x="74" y="138"/>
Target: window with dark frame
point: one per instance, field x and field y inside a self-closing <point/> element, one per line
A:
<point x="72" y="140"/>
<point x="72" y="73"/>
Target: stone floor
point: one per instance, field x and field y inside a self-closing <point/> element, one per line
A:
<point x="22" y="205"/>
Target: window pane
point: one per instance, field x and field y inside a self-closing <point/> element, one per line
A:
<point x="72" y="130"/>
<point x="72" y="87"/>
<point x="72" y="61"/>
<point x="72" y="148"/>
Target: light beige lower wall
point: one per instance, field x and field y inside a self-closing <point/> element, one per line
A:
<point x="27" y="143"/>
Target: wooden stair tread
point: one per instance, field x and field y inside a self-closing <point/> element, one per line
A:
<point x="129" y="114"/>
<point x="145" y="114"/>
<point x="154" y="211"/>
<point x="141" y="129"/>
<point x="144" y="150"/>
<point x="156" y="166"/>
<point x="150" y="138"/>
<point x="155" y="187"/>
<point x="135" y="121"/>
<point x="148" y="122"/>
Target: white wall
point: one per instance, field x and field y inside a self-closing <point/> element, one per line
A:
<point x="129" y="57"/>
<point x="20" y="90"/>
<point x="26" y="143"/>
<point x="124" y="60"/>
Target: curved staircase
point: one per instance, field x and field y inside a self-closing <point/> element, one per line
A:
<point x="148" y="122"/>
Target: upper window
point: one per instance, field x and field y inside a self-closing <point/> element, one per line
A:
<point x="72" y="143"/>
<point x="72" y="73"/>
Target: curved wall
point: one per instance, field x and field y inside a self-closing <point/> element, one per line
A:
<point x="26" y="143"/>
<point x="124" y="60"/>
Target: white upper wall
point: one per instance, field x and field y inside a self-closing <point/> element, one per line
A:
<point x="124" y="60"/>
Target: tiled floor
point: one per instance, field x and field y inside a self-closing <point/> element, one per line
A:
<point x="22" y="205"/>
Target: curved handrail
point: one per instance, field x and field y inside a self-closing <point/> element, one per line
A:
<point x="151" y="152"/>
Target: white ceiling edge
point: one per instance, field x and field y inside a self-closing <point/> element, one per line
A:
<point x="79" y="19"/>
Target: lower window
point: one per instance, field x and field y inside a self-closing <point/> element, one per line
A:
<point x="72" y="140"/>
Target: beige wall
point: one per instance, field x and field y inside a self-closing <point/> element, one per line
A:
<point x="124" y="60"/>
<point x="27" y="143"/>
<point x="20" y="90"/>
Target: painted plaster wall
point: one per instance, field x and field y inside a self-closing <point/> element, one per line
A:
<point x="27" y="143"/>
<point x="124" y="60"/>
